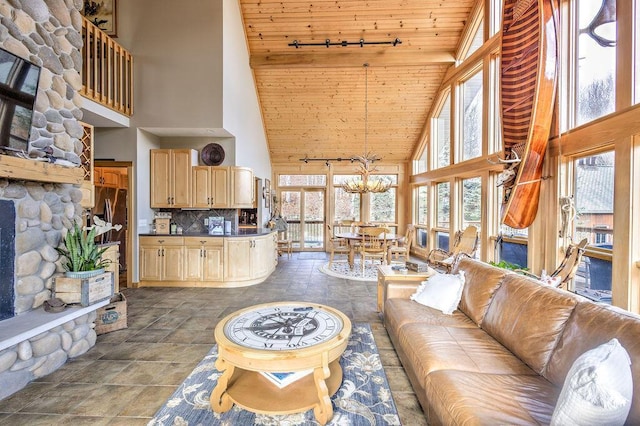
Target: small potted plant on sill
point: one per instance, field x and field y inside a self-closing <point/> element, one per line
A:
<point x="83" y="257"/>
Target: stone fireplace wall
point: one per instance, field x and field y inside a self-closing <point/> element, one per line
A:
<point x="47" y="33"/>
<point x="43" y="213"/>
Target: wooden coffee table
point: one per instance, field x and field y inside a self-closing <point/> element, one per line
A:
<point x="386" y="275"/>
<point x="280" y="337"/>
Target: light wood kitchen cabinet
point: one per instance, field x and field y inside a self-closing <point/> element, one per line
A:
<point x="162" y="259"/>
<point x="171" y="177"/>
<point x="210" y="187"/>
<point x="204" y="259"/>
<point x="263" y="256"/>
<point x="242" y="193"/>
<point x="106" y="176"/>
<point x="249" y="258"/>
<point x="238" y="258"/>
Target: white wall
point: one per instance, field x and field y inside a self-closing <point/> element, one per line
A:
<point x="242" y="116"/>
<point x="177" y="49"/>
<point x="228" y="144"/>
<point x="141" y="195"/>
<point x="192" y="71"/>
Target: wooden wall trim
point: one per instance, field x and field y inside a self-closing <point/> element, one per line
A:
<point x="24" y="169"/>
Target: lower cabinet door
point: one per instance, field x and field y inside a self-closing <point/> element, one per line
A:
<point x="193" y="263"/>
<point x="213" y="264"/>
<point x="173" y="263"/>
<point x="237" y="254"/>
<point x="150" y="263"/>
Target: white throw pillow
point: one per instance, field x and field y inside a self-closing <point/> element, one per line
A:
<point x="598" y="389"/>
<point x="441" y="291"/>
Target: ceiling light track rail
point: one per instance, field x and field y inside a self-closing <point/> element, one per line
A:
<point x="344" y="43"/>
<point x="327" y="161"/>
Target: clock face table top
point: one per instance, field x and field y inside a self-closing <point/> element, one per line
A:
<point x="280" y="337"/>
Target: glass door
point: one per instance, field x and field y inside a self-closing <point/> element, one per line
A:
<point x="313" y="219"/>
<point x="303" y="209"/>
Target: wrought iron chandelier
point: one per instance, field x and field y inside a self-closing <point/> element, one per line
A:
<point x="365" y="183"/>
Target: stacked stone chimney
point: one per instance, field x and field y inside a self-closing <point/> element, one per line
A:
<point x="48" y="34"/>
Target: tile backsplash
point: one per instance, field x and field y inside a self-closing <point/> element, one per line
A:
<point x="192" y="221"/>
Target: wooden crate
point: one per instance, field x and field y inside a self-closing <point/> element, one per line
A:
<point x="85" y="291"/>
<point x="113" y="316"/>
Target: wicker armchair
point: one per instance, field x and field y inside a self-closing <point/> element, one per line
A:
<point x="464" y="244"/>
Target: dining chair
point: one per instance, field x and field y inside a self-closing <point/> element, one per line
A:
<point x="373" y="245"/>
<point x="402" y="247"/>
<point x="284" y="244"/>
<point x="336" y="245"/>
<point x="465" y="243"/>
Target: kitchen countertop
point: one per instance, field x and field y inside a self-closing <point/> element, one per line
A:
<point x="239" y="233"/>
<point x="110" y="243"/>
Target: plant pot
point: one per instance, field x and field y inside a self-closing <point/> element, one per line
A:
<point x="84" y="274"/>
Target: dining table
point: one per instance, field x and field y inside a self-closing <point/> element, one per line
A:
<point x="352" y="239"/>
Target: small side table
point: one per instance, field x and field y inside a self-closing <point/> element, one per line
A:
<point x="387" y="275"/>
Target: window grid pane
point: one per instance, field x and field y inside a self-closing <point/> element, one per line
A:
<point x="442" y="135"/>
<point x="472" y="117"/>
<point x="594" y="186"/>
<point x="471" y="202"/>
<point x="347" y="206"/>
<point x="302" y="180"/>
<point x="478" y="39"/>
<point x="442" y="220"/>
<point x="383" y="206"/>
<point x="422" y="205"/>
<point x="636" y="31"/>
<point x="596" y="60"/>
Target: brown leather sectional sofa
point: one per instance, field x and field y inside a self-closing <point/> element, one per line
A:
<point x="502" y="357"/>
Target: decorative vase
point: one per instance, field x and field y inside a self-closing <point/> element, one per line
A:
<point x="84" y="274"/>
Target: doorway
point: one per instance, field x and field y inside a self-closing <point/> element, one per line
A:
<point x="115" y="192"/>
<point x="304" y="211"/>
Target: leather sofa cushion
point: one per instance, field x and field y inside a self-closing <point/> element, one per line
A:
<point x="472" y="398"/>
<point x="528" y="317"/>
<point x="399" y="312"/>
<point x="590" y="326"/>
<point x="430" y="348"/>
<point x="481" y="282"/>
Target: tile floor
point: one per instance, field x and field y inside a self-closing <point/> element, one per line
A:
<point x="130" y="373"/>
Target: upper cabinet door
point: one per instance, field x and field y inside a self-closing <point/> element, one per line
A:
<point x="182" y="162"/>
<point x="171" y="177"/>
<point x="201" y="187"/>
<point x="242" y="187"/>
<point x="220" y="187"/>
<point x="161" y="178"/>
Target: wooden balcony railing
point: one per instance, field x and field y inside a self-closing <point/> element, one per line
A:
<point x="107" y="70"/>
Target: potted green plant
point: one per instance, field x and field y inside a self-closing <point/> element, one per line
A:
<point x="83" y="257"/>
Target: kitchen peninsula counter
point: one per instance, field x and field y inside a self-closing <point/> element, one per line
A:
<point x="238" y="233"/>
<point x="242" y="258"/>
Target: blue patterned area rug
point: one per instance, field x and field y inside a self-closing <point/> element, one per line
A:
<point x="363" y="398"/>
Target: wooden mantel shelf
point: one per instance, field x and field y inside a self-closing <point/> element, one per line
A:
<point x="23" y="169"/>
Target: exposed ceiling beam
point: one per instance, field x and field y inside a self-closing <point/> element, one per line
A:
<point x="333" y="59"/>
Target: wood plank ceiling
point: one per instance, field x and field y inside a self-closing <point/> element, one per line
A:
<point x="313" y="97"/>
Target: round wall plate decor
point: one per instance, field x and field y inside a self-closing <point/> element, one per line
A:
<point x="212" y="154"/>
